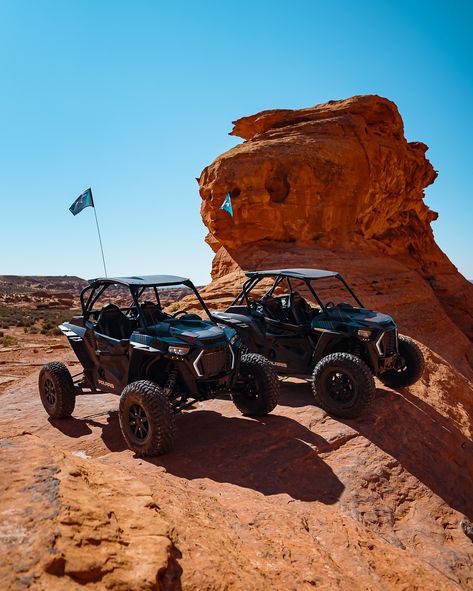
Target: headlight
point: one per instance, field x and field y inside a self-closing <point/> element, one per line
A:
<point x="234" y="339"/>
<point x="364" y="333"/>
<point x="178" y="349"/>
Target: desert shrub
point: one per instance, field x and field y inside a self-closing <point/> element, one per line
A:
<point x="173" y="307"/>
<point x="25" y="317"/>
<point x="54" y="331"/>
<point x="9" y="340"/>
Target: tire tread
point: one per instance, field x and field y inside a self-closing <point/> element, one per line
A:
<point x="366" y="383"/>
<point x="64" y="386"/>
<point x="265" y="371"/>
<point x="394" y="379"/>
<point x="160" y="414"/>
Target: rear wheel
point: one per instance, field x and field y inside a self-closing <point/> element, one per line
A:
<point x="146" y="418"/>
<point x="57" y="390"/>
<point x="411" y="365"/>
<point x="256" y="392"/>
<point x="343" y="385"/>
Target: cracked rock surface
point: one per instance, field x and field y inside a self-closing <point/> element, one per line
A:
<point x="295" y="500"/>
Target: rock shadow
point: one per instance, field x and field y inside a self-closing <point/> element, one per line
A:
<point x="424" y="442"/>
<point x="271" y="455"/>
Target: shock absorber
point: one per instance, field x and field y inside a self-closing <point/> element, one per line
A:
<point x="170" y="383"/>
<point x="357" y="349"/>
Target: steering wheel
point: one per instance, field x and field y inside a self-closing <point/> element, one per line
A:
<point x="330" y="304"/>
<point x="179" y="313"/>
<point x="256" y="306"/>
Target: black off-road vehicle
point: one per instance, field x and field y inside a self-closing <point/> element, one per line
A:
<point x="158" y="363"/>
<point x="339" y="344"/>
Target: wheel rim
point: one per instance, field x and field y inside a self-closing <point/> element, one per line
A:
<point x="401" y="366"/>
<point x="49" y="392"/>
<point x="138" y="422"/>
<point x="341" y="387"/>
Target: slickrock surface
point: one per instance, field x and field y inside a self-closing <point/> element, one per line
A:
<point x="67" y="523"/>
<point x="338" y="186"/>
<point x="295" y="500"/>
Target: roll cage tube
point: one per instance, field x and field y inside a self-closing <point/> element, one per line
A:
<point x="251" y="283"/>
<point x="201" y="301"/>
<point x="350" y="290"/>
<point x="87" y="300"/>
<point x="137" y="293"/>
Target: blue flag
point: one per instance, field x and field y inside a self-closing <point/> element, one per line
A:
<point x="227" y="204"/>
<point x="83" y="201"/>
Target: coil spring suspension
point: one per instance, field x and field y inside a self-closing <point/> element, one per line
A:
<point x="356" y="349"/>
<point x="170" y="383"/>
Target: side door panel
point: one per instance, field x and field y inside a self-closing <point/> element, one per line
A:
<point x="112" y="363"/>
<point x="288" y="346"/>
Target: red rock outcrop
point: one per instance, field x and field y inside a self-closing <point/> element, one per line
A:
<point x="338" y="186"/>
<point x="68" y="524"/>
<point x="295" y="500"/>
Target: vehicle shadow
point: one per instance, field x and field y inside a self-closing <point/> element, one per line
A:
<point x="271" y="455"/>
<point x="111" y="433"/>
<point x="71" y="426"/>
<point x="424" y="442"/>
<point x="296" y="394"/>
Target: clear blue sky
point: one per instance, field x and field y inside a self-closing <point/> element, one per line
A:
<point x="134" y="98"/>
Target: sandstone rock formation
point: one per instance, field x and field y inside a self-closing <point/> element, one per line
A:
<point x="67" y="524"/>
<point x="338" y="186"/>
<point x="295" y="500"/>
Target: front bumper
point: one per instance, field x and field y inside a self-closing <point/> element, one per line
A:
<point x="209" y="371"/>
<point x="383" y="352"/>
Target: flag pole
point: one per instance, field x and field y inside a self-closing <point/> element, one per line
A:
<point x="98" y="232"/>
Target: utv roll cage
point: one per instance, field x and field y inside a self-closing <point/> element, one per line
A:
<point x="305" y="275"/>
<point x="136" y="285"/>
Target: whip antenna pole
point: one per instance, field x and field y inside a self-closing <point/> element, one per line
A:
<point x="100" y="238"/>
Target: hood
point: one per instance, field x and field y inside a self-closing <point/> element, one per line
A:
<point x="191" y="331"/>
<point x="341" y="317"/>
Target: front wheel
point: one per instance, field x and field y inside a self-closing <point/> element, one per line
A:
<point x="343" y="385"/>
<point x="146" y="418"/>
<point x="56" y="390"/>
<point x="256" y="392"/>
<point x="411" y="365"/>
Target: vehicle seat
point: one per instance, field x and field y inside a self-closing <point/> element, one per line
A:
<point x="301" y="310"/>
<point x="273" y="308"/>
<point x="152" y="313"/>
<point x="114" y="323"/>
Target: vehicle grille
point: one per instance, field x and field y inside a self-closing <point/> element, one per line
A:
<point x="388" y="343"/>
<point x="216" y="361"/>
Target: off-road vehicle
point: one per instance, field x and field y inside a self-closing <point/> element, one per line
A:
<point x="340" y="345"/>
<point x="158" y="363"/>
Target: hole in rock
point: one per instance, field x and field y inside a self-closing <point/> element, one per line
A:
<point x="277" y="186"/>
